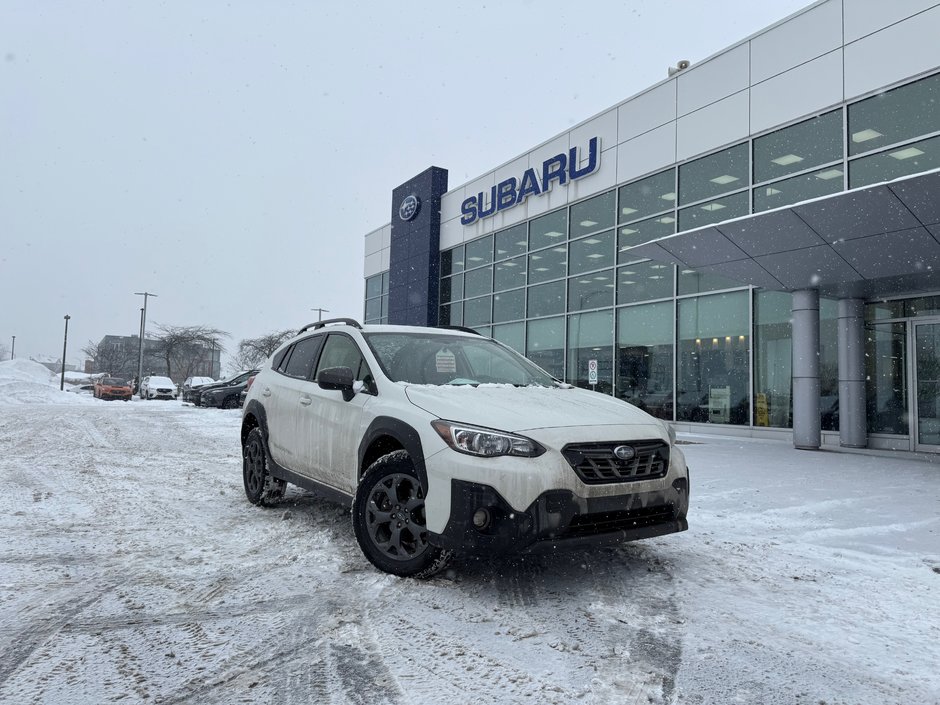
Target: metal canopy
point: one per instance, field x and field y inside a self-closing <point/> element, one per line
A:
<point x="876" y="241"/>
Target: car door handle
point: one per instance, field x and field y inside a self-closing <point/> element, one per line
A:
<point x="305" y="401"/>
<point x="266" y="392"/>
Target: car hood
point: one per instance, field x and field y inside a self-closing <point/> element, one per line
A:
<point x="519" y="409"/>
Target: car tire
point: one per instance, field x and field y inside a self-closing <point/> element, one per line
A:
<point x="261" y="487"/>
<point x="389" y="520"/>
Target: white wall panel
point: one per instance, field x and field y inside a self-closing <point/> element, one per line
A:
<point x="718" y="124"/>
<point x="798" y="92"/>
<point x="804" y="37"/>
<point x="604" y="126"/>
<point x="713" y="80"/>
<point x="373" y="242"/>
<point x="373" y="264"/>
<point x="451" y="233"/>
<point x="601" y="180"/>
<point x="647" y="111"/>
<point x="897" y="52"/>
<point x="862" y="17"/>
<point x="646" y="153"/>
<point x="450" y="204"/>
<point x="386" y="259"/>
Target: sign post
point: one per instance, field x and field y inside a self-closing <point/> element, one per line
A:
<point x="592" y="373"/>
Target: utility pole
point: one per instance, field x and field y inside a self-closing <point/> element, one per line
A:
<point x="143" y="330"/>
<point x="65" y="345"/>
<point x="13" y="349"/>
<point x="320" y="312"/>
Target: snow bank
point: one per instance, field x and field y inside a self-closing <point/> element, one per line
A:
<point x="28" y="382"/>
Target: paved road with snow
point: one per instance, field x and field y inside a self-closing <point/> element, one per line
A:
<point x="132" y="569"/>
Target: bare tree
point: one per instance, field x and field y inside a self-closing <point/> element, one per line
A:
<point x="186" y="348"/>
<point x="253" y="351"/>
<point x="118" y="360"/>
<point x="4" y="352"/>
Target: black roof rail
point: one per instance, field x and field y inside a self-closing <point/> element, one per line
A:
<point x="462" y="329"/>
<point x="328" y="321"/>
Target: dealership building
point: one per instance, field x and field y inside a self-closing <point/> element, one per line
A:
<point x="751" y="246"/>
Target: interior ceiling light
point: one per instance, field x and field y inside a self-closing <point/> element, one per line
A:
<point x="595" y="255"/>
<point x="588" y="223"/>
<point x="626" y="272"/>
<point x="723" y="179"/>
<point x="667" y="219"/>
<point x="712" y="207"/>
<point x="906" y="153"/>
<point x="829" y="174"/>
<point x="771" y="191"/>
<point x="558" y="249"/>
<point x="626" y="210"/>
<point x="787" y="159"/>
<point x="553" y="233"/>
<point x="688" y="271"/>
<point x="475" y="259"/>
<point x="541" y="269"/>
<point x="535" y="257"/>
<point x="600" y="278"/>
<point x="627" y="281"/>
<point x="627" y="231"/>
<point x="658" y="266"/>
<point x="865" y="135"/>
<point x="521" y="243"/>
<point x="510" y="264"/>
<point x="656" y="276"/>
<point x="591" y="241"/>
<point x="671" y="196"/>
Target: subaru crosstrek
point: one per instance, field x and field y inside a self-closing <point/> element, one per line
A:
<point x="444" y="441"/>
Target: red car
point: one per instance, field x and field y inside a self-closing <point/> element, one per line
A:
<point x="113" y="388"/>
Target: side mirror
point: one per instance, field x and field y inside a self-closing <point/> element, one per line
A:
<point x="340" y="378"/>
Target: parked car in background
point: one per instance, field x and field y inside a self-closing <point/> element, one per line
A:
<point x="226" y="395"/>
<point x="156" y="387"/>
<point x="113" y="388"/>
<point x="228" y="382"/>
<point x="244" y="394"/>
<point x="82" y="389"/>
<point x="192" y="385"/>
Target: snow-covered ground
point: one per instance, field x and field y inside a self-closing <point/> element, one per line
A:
<point x="132" y="570"/>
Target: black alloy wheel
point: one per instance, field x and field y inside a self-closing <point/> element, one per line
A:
<point x="389" y="520"/>
<point x="260" y="487"/>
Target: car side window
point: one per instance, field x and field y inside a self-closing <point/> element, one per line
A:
<point x="342" y="351"/>
<point x="280" y="358"/>
<point x="302" y="357"/>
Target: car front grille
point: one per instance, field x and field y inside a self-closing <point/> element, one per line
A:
<point x="596" y="463"/>
<point x="593" y="524"/>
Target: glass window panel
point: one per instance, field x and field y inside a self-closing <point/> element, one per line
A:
<point x="637" y="233"/>
<point x="644" y="357"/>
<point x="511" y="334"/>
<point x="828" y="364"/>
<point x="591" y="337"/>
<point x="713" y="370"/>
<point x="653" y="194"/>
<point x="384" y="282"/>
<point x="724" y="208"/>
<point x="548" y="230"/>
<point x="511" y="242"/>
<point x="773" y="356"/>
<point x="484" y="330"/>
<point x="922" y="306"/>
<point x="545" y="345"/>
<point x="799" y="188"/>
<point x="895" y="116"/>
<point x="592" y="290"/>
<point x="478" y="281"/>
<point x="895" y="163"/>
<point x="594" y="214"/>
<point x="456" y="314"/>
<point x="452" y="261"/>
<point x="798" y="147"/>
<point x="715" y="174"/>
<point x="446" y="291"/>
<point x="374" y="286"/>
<point x="479" y="252"/>
<point x="886" y="377"/>
<point x="546" y="299"/>
<point x="373" y="310"/>
<point x="478" y="312"/>
<point x="384" y="309"/>
<point x="509" y="274"/>
<point x="509" y="305"/>
<point x="548" y="264"/>
<point x="692" y="282"/>
<point x="592" y="252"/>
<point x="642" y="281"/>
<point x="884" y="309"/>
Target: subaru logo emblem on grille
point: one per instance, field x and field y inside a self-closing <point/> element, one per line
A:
<point x="624" y="452"/>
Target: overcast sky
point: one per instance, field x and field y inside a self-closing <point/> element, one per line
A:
<point x="230" y="156"/>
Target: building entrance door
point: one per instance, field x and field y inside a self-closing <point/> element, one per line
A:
<point x="927" y="386"/>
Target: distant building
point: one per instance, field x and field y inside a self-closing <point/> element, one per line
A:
<point x="118" y="355"/>
<point x="52" y="364"/>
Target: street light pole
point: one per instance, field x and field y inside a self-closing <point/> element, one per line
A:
<point x="65" y="345"/>
<point x="13" y="349"/>
<point x="143" y="330"/>
<point x="320" y="312"/>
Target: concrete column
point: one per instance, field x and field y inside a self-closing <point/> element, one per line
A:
<point x="853" y="431"/>
<point x="806" y="432"/>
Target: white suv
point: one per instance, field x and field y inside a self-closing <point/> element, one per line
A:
<point x="443" y="440"/>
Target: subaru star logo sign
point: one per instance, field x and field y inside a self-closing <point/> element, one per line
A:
<point x="624" y="452"/>
<point x="409" y="207"/>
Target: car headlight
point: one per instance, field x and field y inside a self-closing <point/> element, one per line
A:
<point x="485" y="442"/>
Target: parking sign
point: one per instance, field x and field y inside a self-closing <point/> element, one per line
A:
<point x="592" y="371"/>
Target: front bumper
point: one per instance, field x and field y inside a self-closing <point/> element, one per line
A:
<point x="560" y="519"/>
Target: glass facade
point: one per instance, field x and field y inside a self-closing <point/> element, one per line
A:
<point x="565" y="288"/>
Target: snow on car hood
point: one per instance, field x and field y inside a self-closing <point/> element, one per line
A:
<point x="517" y="409"/>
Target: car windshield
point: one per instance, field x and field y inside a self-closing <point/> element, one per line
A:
<point x="113" y="381"/>
<point x="439" y="359"/>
